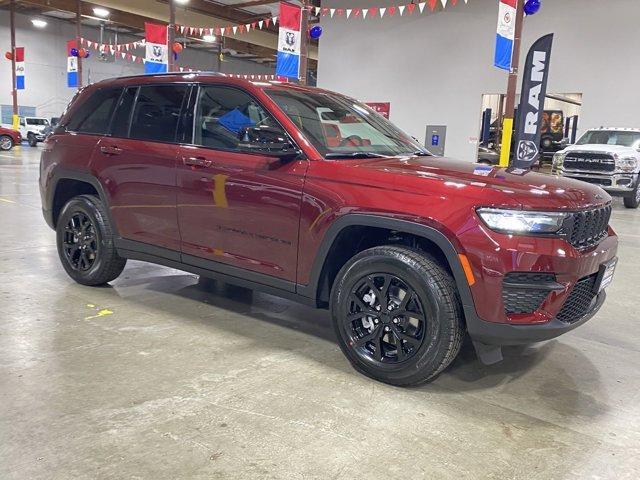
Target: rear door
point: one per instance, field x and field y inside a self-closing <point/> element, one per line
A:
<point x="237" y="209"/>
<point x="137" y="165"/>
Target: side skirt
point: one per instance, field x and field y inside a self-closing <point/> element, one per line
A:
<point x="255" y="281"/>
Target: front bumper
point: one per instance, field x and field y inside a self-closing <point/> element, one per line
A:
<point x="617" y="184"/>
<point x="493" y="256"/>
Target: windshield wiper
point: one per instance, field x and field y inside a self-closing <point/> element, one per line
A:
<point x="355" y="155"/>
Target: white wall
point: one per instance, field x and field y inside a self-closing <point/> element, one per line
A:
<point x="46" y="63"/>
<point x="435" y="68"/>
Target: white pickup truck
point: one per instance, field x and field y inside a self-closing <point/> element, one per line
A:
<point x="32" y="128"/>
<point x="608" y="157"/>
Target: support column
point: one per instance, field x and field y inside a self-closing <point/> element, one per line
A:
<point x="512" y="86"/>
<point x="78" y="37"/>
<point x="304" y="42"/>
<point x="171" y="67"/>
<point x="14" y="90"/>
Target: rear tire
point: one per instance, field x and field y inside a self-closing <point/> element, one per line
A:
<point x="6" y="142"/>
<point x="31" y="138"/>
<point x="634" y="200"/>
<point x="410" y="329"/>
<point x="86" y="242"/>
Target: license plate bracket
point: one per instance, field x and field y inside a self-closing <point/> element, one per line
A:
<point x="605" y="274"/>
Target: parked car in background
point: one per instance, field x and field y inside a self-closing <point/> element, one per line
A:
<point x="608" y="157"/>
<point x="310" y="195"/>
<point x="8" y="138"/>
<point x="488" y="156"/>
<point x="32" y="128"/>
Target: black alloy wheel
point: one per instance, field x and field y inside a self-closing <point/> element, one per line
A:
<point x="386" y="322"/>
<point x="80" y="242"/>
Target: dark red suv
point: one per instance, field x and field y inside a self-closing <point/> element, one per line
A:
<point x="310" y="195"/>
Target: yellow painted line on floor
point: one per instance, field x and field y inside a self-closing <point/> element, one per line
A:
<point x="101" y="313"/>
<point x="6" y="200"/>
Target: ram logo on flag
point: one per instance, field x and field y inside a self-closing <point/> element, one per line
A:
<point x="157" y="54"/>
<point x="505" y="34"/>
<point x="19" y="52"/>
<point x="72" y="65"/>
<point x="289" y="39"/>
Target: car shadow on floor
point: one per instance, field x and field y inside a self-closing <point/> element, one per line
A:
<point x="465" y="374"/>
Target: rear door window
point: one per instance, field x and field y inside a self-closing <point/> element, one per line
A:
<point x="94" y="115"/>
<point x="157" y="111"/>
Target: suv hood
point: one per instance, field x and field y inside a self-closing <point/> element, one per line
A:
<point x="612" y="149"/>
<point x="491" y="186"/>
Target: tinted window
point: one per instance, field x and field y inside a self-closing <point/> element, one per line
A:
<point x="94" y="115"/>
<point x="157" y="111"/>
<point x="120" y="122"/>
<point x="222" y="113"/>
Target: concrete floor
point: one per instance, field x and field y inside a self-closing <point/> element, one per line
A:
<point x="162" y="376"/>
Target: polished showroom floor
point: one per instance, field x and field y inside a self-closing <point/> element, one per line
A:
<point x="161" y="375"/>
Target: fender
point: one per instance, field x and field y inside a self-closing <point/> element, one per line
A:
<point x="404" y="226"/>
<point x="68" y="174"/>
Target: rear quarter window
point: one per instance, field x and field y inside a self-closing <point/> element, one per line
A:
<point x="94" y="115"/>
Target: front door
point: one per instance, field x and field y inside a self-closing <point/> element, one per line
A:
<point x="237" y="210"/>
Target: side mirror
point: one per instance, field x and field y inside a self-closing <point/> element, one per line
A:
<point x="268" y="141"/>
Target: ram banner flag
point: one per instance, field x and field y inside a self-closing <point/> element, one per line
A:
<point x="72" y="65"/>
<point x="157" y="55"/>
<point x="534" y="91"/>
<point x="19" y="53"/>
<point x="289" y="41"/>
<point x="505" y="34"/>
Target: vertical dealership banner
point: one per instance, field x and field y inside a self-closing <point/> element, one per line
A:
<point x="157" y="54"/>
<point x="534" y="91"/>
<point x="289" y="41"/>
<point x="72" y="65"/>
<point x="505" y="33"/>
<point x="19" y="53"/>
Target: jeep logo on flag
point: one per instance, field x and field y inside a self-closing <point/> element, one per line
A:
<point x="527" y="151"/>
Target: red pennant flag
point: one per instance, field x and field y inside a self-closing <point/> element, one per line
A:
<point x="356" y="12"/>
<point x="253" y="25"/>
<point x="373" y="11"/>
<point x="432" y="4"/>
<point x="340" y="11"/>
<point x="267" y="22"/>
<point x="391" y="10"/>
<point x="242" y="28"/>
<point x="325" y="11"/>
<point x="454" y="2"/>
<point x="411" y="7"/>
<point x="218" y="31"/>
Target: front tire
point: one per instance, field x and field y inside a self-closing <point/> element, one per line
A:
<point x="86" y="242"/>
<point x="397" y="315"/>
<point x="6" y="142"/>
<point x="634" y="200"/>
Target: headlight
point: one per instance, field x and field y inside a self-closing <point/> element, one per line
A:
<point x="522" y="222"/>
<point x="627" y="164"/>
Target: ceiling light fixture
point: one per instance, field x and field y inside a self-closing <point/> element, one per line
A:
<point x="209" y="38"/>
<point x="38" y="23"/>
<point x="181" y="2"/>
<point x="101" y="12"/>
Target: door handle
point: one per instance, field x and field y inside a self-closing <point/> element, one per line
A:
<point x="110" y="150"/>
<point x="196" y="162"/>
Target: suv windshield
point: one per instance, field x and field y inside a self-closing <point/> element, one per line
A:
<point x="37" y="121"/>
<point x="339" y="127"/>
<point x="610" y="137"/>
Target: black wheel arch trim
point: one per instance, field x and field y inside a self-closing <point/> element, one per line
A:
<point x="404" y="226"/>
<point x="68" y="174"/>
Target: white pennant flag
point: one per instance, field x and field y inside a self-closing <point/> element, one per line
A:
<point x="332" y="11"/>
<point x="235" y="29"/>
<point x="201" y="31"/>
<point x="444" y="3"/>
<point x="365" y="11"/>
<point x="382" y="10"/>
<point x="401" y="9"/>
<point x="421" y="6"/>
<point x="316" y="11"/>
<point x="275" y="20"/>
<point x="348" y="10"/>
<point x="248" y="26"/>
<point x="223" y="30"/>
<point x="260" y="24"/>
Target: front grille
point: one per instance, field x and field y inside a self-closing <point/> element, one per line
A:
<point x="604" y="182"/>
<point x="519" y="292"/>
<point x="589" y="162"/>
<point x="586" y="229"/>
<point x="578" y="303"/>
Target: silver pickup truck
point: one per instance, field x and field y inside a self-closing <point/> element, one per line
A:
<point x="608" y="157"/>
